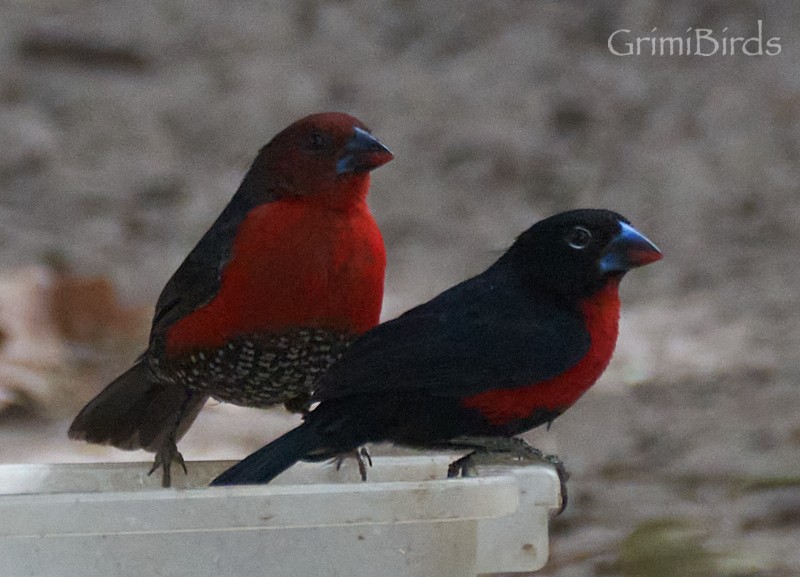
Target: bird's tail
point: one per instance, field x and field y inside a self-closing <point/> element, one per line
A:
<point x="273" y="459"/>
<point x="135" y="412"/>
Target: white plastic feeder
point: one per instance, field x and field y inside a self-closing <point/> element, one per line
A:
<point x="111" y="520"/>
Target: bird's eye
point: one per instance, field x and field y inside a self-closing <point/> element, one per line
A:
<point x="316" y="141"/>
<point x="579" y="237"/>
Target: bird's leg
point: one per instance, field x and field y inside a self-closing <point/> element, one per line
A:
<point x="359" y="455"/>
<point x="492" y="450"/>
<point x="362" y="454"/>
<point x="167" y="453"/>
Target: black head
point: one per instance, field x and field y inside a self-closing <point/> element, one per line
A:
<point x="574" y="254"/>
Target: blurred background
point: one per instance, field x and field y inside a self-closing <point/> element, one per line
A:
<point x="127" y="126"/>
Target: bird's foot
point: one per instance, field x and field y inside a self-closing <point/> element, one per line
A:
<point x="361" y="456"/>
<point x="463" y="467"/>
<point x="166" y="455"/>
<point x="496" y="450"/>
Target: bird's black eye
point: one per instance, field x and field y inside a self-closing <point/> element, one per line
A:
<point x="316" y="141"/>
<point x="579" y="237"/>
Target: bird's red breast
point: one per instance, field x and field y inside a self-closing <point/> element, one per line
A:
<point x="601" y="317"/>
<point x="312" y="261"/>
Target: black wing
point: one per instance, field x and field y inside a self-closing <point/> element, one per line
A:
<point x="485" y="333"/>
<point x="197" y="280"/>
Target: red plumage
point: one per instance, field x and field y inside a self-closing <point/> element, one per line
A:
<point x="497" y="355"/>
<point x="323" y="271"/>
<point x="288" y="275"/>
<point x="555" y="395"/>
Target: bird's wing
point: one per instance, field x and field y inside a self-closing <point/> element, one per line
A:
<point x="481" y="335"/>
<point x="197" y="280"/>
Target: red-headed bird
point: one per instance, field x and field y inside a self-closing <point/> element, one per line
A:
<point x="495" y="356"/>
<point x="287" y="276"/>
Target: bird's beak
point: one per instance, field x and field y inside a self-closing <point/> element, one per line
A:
<point x="629" y="249"/>
<point x="362" y="153"/>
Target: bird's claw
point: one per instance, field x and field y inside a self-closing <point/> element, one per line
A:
<point x="166" y="455"/>
<point x="463" y="467"/>
<point x="360" y="455"/>
<point x="563" y="477"/>
<point x="517" y="449"/>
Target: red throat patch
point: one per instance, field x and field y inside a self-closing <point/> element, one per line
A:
<point x="601" y="315"/>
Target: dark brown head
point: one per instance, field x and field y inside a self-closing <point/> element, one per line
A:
<point x="328" y="153"/>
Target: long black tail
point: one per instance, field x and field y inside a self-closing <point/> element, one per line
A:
<point x="273" y="459"/>
<point x="134" y="412"/>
